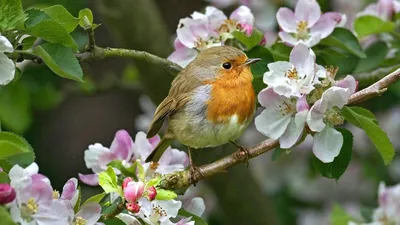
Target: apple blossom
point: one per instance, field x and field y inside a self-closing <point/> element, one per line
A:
<point x="306" y="24"/>
<point x="323" y="115"/>
<point x="133" y="191"/>
<point x="202" y="31"/>
<point x="283" y="118"/>
<point x="7" y="66"/>
<point x="383" y="9"/>
<point x="296" y="77"/>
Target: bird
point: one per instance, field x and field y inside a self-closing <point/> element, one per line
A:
<point x="210" y="102"/>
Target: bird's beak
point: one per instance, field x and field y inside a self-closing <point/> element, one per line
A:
<point x="251" y="61"/>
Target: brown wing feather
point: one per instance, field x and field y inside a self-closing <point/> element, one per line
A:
<point x="179" y="94"/>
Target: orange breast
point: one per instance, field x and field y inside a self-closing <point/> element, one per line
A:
<point x="231" y="94"/>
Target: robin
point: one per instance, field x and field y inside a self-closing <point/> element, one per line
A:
<point x="210" y="102"/>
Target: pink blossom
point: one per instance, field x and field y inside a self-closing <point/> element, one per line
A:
<point x="151" y="193"/>
<point x="306" y="24"/>
<point x="133" y="191"/>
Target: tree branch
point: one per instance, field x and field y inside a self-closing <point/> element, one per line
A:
<point x="182" y="179"/>
<point x="101" y="53"/>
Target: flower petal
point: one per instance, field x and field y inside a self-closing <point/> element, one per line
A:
<point x="348" y="82"/>
<point x="69" y="189"/>
<point x="89" y="179"/>
<point x="182" y="54"/>
<point x="288" y="39"/>
<point x="277" y="72"/>
<point x="303" y="58"/>
<point x="302" y="104"/>
<point x="315" y="118"/>
<point x="122" y="144"/>
<point x="5" y="45"/>
<point x="294" y="130"/>
<point x="196" y="206"/>
<point x="142" y="147"/>
<point x="286" y="20"/>
<point x="174" y="156"/>
<point x="56" y="214"/>
<point x="215" y="19"/>
<point x="335" y="96"/>
<point x="272" y="123"/>
<point x="128" y="219"/>
<point x="307" y="10"/>
<point x="171" y="207"/>
<point x="7" y="69"/>
<point x="190" y="31"/>
<point x="243" y="15"/>
<point x="90" y="212"/>
<point x="92" y="157"/>
<point x="326" y="24"/>
<point x="327" y="144"/>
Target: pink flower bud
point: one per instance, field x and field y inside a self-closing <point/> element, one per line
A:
<point x="133" y="191"/>
<point x="126" y="181"/>
<point x="248" y="29"/>
<point x="151" y="193"/>
<point x="7" y="194"/>
<point x="133" y="207"/>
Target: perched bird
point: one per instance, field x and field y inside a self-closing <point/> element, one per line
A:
<point x="210" y="102"/>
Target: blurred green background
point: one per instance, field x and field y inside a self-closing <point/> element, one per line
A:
<point x="60" y="118"/>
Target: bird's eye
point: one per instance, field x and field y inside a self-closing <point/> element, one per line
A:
<point x="227" y="65"/>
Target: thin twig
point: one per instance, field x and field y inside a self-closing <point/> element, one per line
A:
<point x="182" y="179"/>
<point x="101" y="53"/>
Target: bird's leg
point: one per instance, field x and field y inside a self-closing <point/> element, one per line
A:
<point x="242" y="150"/>
<point x="193" y="169"/>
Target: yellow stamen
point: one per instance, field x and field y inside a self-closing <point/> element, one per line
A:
<point x="32" y="206"/>
<point x="334" y="117"/>
<point x="292" y="74"/>
<point x="302" y="29"/>
<point x="80" y="221"/>
<point x="56" y="194"/>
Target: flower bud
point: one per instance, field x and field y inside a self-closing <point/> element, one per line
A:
<point x="151" y="193"/>
<point x="7" y="194"/>
<point x="133" y="207"/>
<point x="126" y="181"/>
<point x="133" y="191"/>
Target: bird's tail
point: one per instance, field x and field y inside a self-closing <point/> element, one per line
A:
<point x="158" y="151"/>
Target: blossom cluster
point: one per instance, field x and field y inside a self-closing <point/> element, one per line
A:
<point x="302" y="94"/>
<point x="213" y="28"/>
<point x="32" y="200"/>
<point x="141" y="195"/>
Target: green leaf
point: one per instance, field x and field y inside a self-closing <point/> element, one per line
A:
<point x="339" y="165"/>
<point x="197" y="219"/>
<point x="376" y="53"/>
<point x="61" y="15"/>
<point x="165" y="194"/>
<point x="95" y="198"/>
<point x="367" y="25"/>
<point x="78" y="202"/>
<point x="258" y="85"/>
<point x="28" y="42"/>
<point x="378" y="137"/>
<point x="280" y="51"/>
<point x="15" y="107"/>
<point x="108" y="181"/>
<point x="53" y="32"/>
<point x="5" y="216"/>
<point x="258" y="69"/>
<point x="35" y="16"/>
<point x="344" y="39"/>
<point x="60" y="60"/>
<point x="367" y="214"/>
<point x="154" y="181"/>
<point x="4" y="179"/>
<point x="12" y="15"/>
<point x="346" y="62"/>
<point x="87" y="22"/>
<point x="254" y="39"/>
<point x="339" y="216"/>
<point x="362" y="111"/>
<point x="14" y="150"/>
